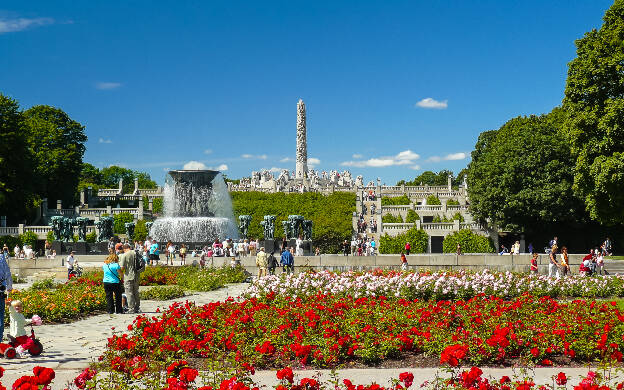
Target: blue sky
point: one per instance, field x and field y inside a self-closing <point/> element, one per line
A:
<point x="158" y="84"/>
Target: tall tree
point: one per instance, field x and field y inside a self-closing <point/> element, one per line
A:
<point x="594" y="103"/>
<point x="520" y="175"/>
<point x="16" y="192"/>
<point x="57" y="142"/>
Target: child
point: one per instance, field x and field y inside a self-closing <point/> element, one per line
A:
<point x="17" y="331"/>
<point x="403" y="262"/>
<point x="534" y="264"/>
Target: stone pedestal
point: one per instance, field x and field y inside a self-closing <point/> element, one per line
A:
<point x="79" y="247"/>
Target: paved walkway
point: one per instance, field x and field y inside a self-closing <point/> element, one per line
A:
<point x="69" y="348"/>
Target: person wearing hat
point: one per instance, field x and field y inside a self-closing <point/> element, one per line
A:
<point x="261" y="262"/>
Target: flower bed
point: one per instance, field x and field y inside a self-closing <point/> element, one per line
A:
<point x="436" y="285"/>
<point x="67" y="301"/>
<point x="162" y="293"/>
<point x="326" y="331"/>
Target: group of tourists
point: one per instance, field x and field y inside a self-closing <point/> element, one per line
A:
<point x="268" y="262"/>
<point x="122" y="269"/>
<point x="359" y="246"/>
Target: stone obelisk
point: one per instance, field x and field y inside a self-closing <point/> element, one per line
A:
<point x="301" y="166"/>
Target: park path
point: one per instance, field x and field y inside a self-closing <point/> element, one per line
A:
<point x="69" y="348"/>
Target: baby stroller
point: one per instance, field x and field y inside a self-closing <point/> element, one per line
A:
<point x="76" y="271"/>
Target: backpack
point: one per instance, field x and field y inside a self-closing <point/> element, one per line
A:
<point x="139" y="262"/>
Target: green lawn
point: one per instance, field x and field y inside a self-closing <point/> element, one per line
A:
<point x="614" y="257"/>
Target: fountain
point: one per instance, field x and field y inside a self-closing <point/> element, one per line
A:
<point x="197" y="208"/>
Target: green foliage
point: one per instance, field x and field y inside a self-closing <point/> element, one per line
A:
<point x="437" y="219"/>
<point x="10" y="242"/>
<point x="389" y="218"/>
<point x="412" y="216"/>
<point x="458" y="216"/>
<point x="520" y="176"/>
<point x="140" y="231"/>
<point x="470" y="242"/>
<point x="162" y="293"/>
<point x="108" y="177"/>
<point x="119" y="222"/>
<point x="433" y="200"/>
<point x="196" y="279"/>
<point x="418" y="240"/>
<point x="57" y="143"/>
<point x="330" y="214"/>
<point x="44" y="284"/>
<point x="17" y="195"/>
<point x="429" y="178"/>
<point x="50" y="236"/>
<point x="157" y="205"/>
<point x="594" y="104"/>
<point x="399" y="200"/>
<point x="29" y="238"/>
<point x="452" y="202"/>
<point x="91" y="237"/>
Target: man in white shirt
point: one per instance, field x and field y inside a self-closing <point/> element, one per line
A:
<point x="71" y="262"/>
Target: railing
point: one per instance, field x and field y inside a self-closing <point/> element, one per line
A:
<point x="472" y="226"/>
<point x="457" y="208"/>
<point x="9" y="231"/>
<point x="437" y="226"/>
<point x="64" y="212"/>
<point x="397" y="226"/>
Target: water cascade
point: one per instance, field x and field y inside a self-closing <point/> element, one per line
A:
<point x="197" y="208"/>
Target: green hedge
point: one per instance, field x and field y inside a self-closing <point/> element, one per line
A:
<point x="452" y="202"/>
<point x="389" y="218"/>
<point x="400" y="200"/>
<point x="418" y="240"/>
<point x="470" y="242"/>
<point x="331" y="214"/>
<point x="433" y="200"/>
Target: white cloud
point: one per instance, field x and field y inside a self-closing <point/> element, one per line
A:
<point x="222" y="167"/>
<point x="448" y="157"/>
<point x="107" y="85"/>
<point x="208" y="151"/>
<point x="20" y="24"/>
<point x="432" y="103"/>
<point x="313" y="162"/>
<point x="287" y="159"/>
<point x="195" y="166"/>
<point x="405" y="157"/>
<point x="357" y="156"/>
<point x="104" y="141"/>
<point x="415" y="167"/>
<point x="250" y="156"/>
<point x="275" y="170"/>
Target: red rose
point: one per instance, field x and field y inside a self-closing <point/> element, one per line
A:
<point x="562" y="379"/>
<point x="285" y="373"/>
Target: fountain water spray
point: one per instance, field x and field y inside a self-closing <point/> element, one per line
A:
<point x="197" y="208"/>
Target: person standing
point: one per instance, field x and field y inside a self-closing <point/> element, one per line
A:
<point x="182" y="254"/>
<point x="272" y="263"/>
<point x="403" y="262"/>
<point x="299" y="243"/>
<point x="154" y="252"/>
<point x="287" y="261"/>
<point x="112" y="283"/>
<point x="373" y="245"/>
<point x="534" y="268"/>
<point x="261" y="263"/>
<point x="553" y="266"/>
<point x="565" y="262"/>
<point x="6" y="285"/>
<point x="408" y="247"/>
<point x="345" y="247"/>
<point x="71" y="263"/>
<point x="127" y="262"/>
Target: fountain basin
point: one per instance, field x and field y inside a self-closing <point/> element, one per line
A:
<point x="193" y="229"/>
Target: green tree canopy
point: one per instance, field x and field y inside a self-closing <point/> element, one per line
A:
<point x="469" y="241"/>
<point x="520" y="176"/>
<point x="429" y="178"/>
<point x="108" y="177"/>
<point x="16" y="170"/>
<point x="57" y="144"/>
<point x="594" y="103"/>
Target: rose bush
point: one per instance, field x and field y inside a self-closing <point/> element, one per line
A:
<point x="328" y="331"/>
<point x="436" y="285"/>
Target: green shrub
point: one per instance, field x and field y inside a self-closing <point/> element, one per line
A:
<point x="418" y="240"/>
<point x="29" y="238"/>
<point x="140" y="231"/>
<point x="162" y="293"/>
<point x="120" y="220"/>
<point x="157" y="205"/>
<point x="395" y="201"/>
<point x="17" y="279"/>
<point x="458" y="217"/>
<point x="10" y="242"/>
<point x="452" y="202"/>
<point x="389" y="218"/>
<point x="470" y="242"/>
<point x="50" y="236"/>
<point x="412" y="216"/>
<point x="91" y="237"/>
<point x="45" y="284"/>
<point x="433" y="200"/>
